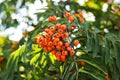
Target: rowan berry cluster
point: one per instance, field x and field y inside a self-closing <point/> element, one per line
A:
<point x="80" y="16"/>
<point x="69" y="16"/>
<point x="56" y="39"/>
<point x="52" y="18"/>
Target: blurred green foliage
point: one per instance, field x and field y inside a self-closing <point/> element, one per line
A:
<point x="25" y="60"/>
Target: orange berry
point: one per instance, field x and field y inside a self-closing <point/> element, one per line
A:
<point x="2" y="58"/>
<point x="52" y="29"/>
<point x="56" y="39"/>
<point x="63" y="47"/>
<point x="71" y="18"/>
<point x="67" y="14"/>
<point x="58" y="58"/>
<point x="81" y="14"/>
<point x="62" y="35"/>
<point x="77" y="15"/>
<point x="107" y="77"/>
<point x="45" y="42"/>
<point x="63" y="27"/>
<point x="50" y="43"/>
<point x="41" y="45"/>
<point x="45" y="48"/>
<point x="69" y="48"/>
<point x="37" y="40"/>
<point x="54" y="18"/>
<point x="76" y="42"/>
<point x="46" y="30"/>
<point x="48" y="38"/>
<point x="53" y="46"/>
<point x="60" y="43"/>
<point x="82" y="63"/>
<point x="58" y="47"/>
<point x="60" y="31"/>
<point x="65" y="53"/>
<point x="49" y="48"/>
<point x="66" y="34"/>
<point x="50" y="19"/>
<point x="70" y="73"/>
<point x="63" y="58"/>
<point x="53" y="52"/>
<point x="55" y="42"/>
<point x="41" y="38"/>
<point x="81" y="20"/>
<point x="50" y="33"/>
<point x="67" y="44"/>
<point x="72" y="52"/>
<point x="57" y="35"/>
<point x="58" y="25"/>
<point x="58" y="54"/>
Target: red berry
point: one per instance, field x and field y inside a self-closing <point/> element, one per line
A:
<point x="82" y="63"/>
<point x="81" y="20"/>
<point x="76" y="42"/>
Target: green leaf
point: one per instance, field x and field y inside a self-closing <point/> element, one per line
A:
<point x="14" y="57"/>
<point x="34" y="59"/>
<point x="93" y="74"/>
<point x="117" y="54"/>
<point x="93" y="63"/>
<point x="114" y="70"/>
<point x="73" y="76"/>
<point x="67" y="70"/>
<point x="107" y="51"/>
<point x="118" y="58"/>
<point x="89" y="41"/>
<point x="96" y="45"/>
<point x="52" y="58"/>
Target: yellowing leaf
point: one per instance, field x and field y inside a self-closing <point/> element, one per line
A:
<point x="1" y="51"/>
<point x="92" y="5"/>
<point x="1" y="40"/>
<point x="34" y="59"/>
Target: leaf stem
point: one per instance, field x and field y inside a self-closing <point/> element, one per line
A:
<point x="76" y="68"/>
